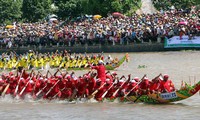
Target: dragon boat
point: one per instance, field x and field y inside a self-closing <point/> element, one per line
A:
<point x="62" y="64"/>
<point x="162" y="98"/>
<point x="110" y="66"/>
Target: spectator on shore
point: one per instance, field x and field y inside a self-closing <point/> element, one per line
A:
<point x="111" y="30"/>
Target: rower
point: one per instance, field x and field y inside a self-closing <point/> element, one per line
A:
<point x="144" y="86"/>
<point x="132" y="84"/>
<point x="155" y="85"/>
<point x="101" y="74"/>
<point x="167" y="85"/>
<point x="108" y="60"/>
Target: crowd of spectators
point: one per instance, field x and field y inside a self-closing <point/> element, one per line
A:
<point x="111" y="30"/>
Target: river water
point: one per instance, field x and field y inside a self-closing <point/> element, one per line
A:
<point x="182" y="65"/>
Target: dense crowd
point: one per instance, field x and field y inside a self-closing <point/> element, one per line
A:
<point x="105" y="31"/>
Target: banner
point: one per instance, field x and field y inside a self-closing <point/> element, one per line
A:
<point x="175" y="42"/>
<point x="168" y="96"/>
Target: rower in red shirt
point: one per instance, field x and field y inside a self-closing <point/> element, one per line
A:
<point x="167" y="85"/>
<point x="155" y="85"/>
<point x="82" y="87"/>
<point x="124" y="85"/>
<point x="102" y="89"/>
<point x="69" y="87"/>
<point x="101" y="71"/>
<point x="133" y="84"/>
<point x="91" y="83"/>
<point x="2" y="86"/>
<point x="144" y="86"/>
<point x="21" y="70"/>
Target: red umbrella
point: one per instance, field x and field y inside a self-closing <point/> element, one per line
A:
<point x="117" y="14"/>
<point x="183" y="23"/>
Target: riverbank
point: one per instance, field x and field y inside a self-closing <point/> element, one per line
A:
<point x="144" y="47"/>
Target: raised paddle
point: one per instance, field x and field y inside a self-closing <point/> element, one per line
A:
<point x="95" y="92"/>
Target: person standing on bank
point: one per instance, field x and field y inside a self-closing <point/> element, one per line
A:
<point x="101" y="70"/>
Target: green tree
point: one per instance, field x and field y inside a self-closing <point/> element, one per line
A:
<point x="75" y="8"/>
<point x="34" y="10"/>
<point x="10" y="10"/>
<point x="68" y="8"/>
<point x="179" y="4"/>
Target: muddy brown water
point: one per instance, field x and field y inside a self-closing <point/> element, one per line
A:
<point x="182" y="65"/>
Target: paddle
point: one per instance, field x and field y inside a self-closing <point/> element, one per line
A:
<point x="16" y="64"/>
<point x="25" y="87"/>
<point x="134" y="88"/>
<point x="52" y="88"/>
<point x="73" y="95"/>
<point x="50" y="73"/>
<point x="95" y="92"/>
<point x="5" y="90"/>
<point x="58" y="92"/>
<point x="114" y="94"/>
<point x="16" y="89"/>
<point x="38" y="93"/>
<point x="107" y="91"/>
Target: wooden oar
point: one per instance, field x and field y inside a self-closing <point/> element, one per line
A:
<point x="25" y="87"/>
<point x="38" y="93"/>
<point x="73" y="95"/>
<point x="16" y="64"/>
<point x="135" y="86"/>
<point x="5" y="90"/>
<point x="95" y="92"/>
<point x="58" y="92"/>
<point x="137" y="98"/>
<point x="107" y="91"/>
<point x="52" y="87"/>
<point x="116" y="91"/>
<point x="125" y="96"/>
<point x="16" y="89"/>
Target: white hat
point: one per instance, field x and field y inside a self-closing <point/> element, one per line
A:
<point x="41" y="78"/>
<point x="132" y="81"/>
<point x="31" y="81"/>
<point x="121" y="80"/>
<point x="100" y="61"/>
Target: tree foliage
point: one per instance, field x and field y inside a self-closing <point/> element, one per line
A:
<point x="68" y="8"/>
<point x="179" y="4"/>
<point x="102" y="7"/>
<point x="10" y="10"/>
<point x="34" y="10"/>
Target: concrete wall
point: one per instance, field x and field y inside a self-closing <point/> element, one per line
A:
<point x="146" y="47"/>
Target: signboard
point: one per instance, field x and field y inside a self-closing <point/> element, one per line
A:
<point x="168" y="96"/>
<point x="175" y="42"/>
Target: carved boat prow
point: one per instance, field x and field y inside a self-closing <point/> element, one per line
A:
<point x="175" y="96"/>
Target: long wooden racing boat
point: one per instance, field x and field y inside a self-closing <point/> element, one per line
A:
<point x="111" y="66"/>
<point x="175" y="96"/>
